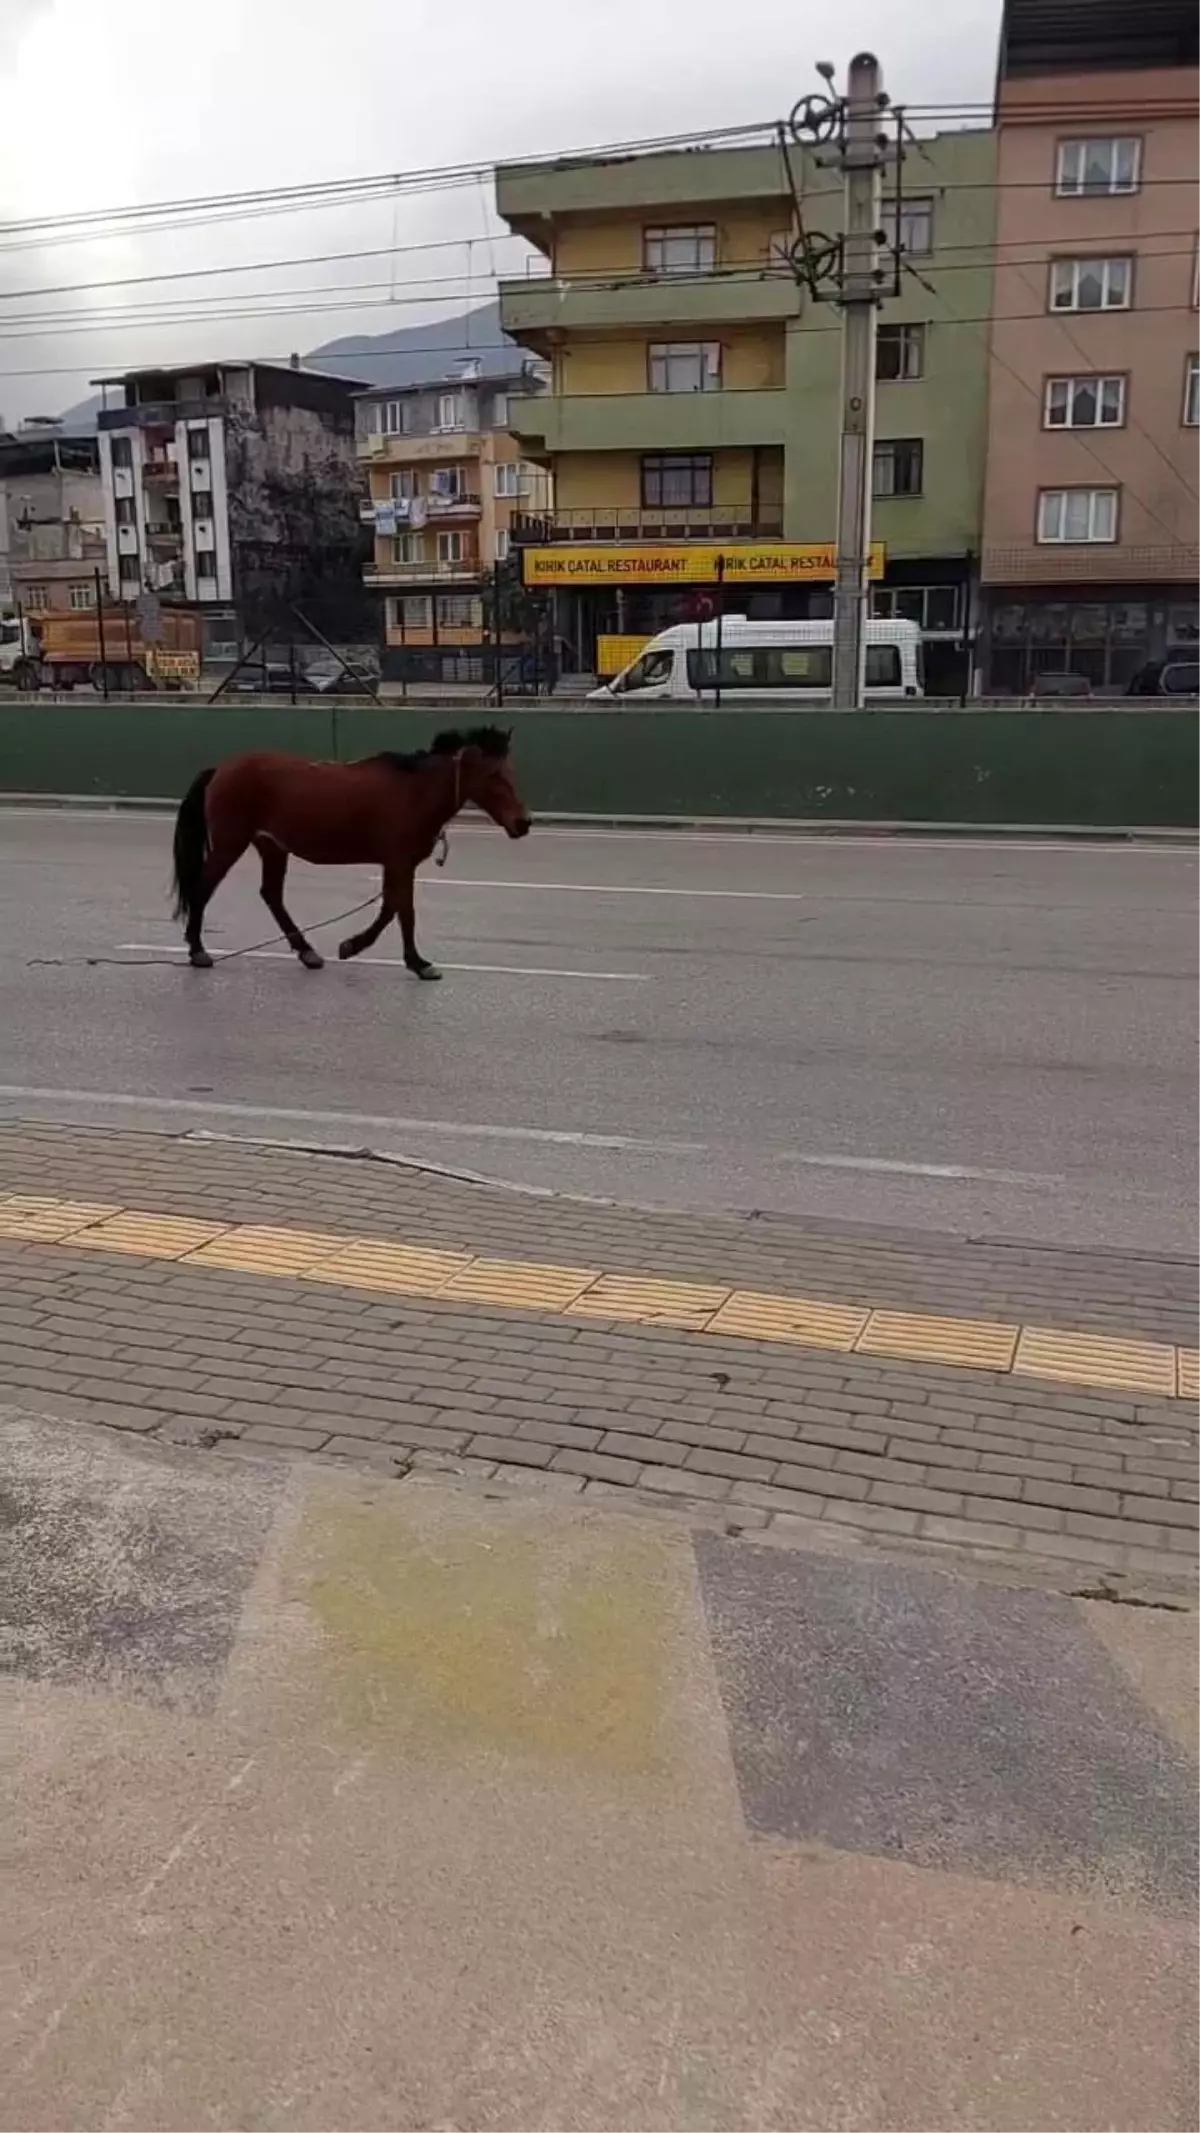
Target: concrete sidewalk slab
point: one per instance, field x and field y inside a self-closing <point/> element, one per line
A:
<point x="455" y="1836"/>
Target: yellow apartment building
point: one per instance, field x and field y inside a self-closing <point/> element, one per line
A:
<point x="444" y="478"/>
<point x="693" y="402"/>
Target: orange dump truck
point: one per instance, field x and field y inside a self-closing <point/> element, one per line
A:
<point x="64" y="651"/>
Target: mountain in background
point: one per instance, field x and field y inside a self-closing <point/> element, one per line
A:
<point x="411" y="355"/>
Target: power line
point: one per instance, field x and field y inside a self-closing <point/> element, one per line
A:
<point x="173" y="312"/>
<point x="253" y="266"/>
<point x="121" y="221"/>
<point x="982" y="318"/>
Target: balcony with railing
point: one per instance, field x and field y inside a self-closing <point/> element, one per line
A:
<point x="390" y="575"/>
<point x="538" y="307"/>
<point x="648" y="422"/>
<point x="159" y="414"/>
<point x="649" y="522"/>
<point x="161" y="468"/>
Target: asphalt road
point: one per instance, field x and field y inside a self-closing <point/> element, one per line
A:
<point x="986" y="1038"/>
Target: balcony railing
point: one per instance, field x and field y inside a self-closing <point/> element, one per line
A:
<point x="649" y="522"/>
<point x="160" y="470"/>
<point x="158" y="414"/>
<point x="390" y="575"/>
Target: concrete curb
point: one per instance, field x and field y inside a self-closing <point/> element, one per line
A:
<point x="742" y="825"/>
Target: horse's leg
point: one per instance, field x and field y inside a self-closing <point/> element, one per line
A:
<point x="370" y="934"/>
<point x="406" y="913"/>
<point x="274" y="869"/>
<point x="224" y="854"/>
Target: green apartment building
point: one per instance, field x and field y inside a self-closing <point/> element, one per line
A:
<point x="695" y="387"/>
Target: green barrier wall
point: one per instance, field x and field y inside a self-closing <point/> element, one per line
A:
<point x="1086" y="768"/>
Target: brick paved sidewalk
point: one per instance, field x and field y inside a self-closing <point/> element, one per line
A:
<point x="1041" y="1479"/>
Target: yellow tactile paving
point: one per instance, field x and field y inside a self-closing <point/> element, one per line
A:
<point x="253" y="1249"/>
<point x="972" y="1343"/>
<point x="513" y="1284"/>
<point x="1114" y="1362"/>
<point x="805" y="1320"/>
<point x="45" y="1221"/>
<point x="1095" y="1359"/>
<point x="152" y="1236"/>
<point x="687" y="1305"/>
<point x="373" y="1263"/>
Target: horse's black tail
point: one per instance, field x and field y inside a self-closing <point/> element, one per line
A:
<point x="191" y="845"/>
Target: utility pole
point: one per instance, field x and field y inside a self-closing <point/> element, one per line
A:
<point x="861" y="162"/>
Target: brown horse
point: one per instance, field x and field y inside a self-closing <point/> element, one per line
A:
<point x="387" y="809"/>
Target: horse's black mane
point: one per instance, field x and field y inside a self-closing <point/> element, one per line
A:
<point x="490" y="740"/>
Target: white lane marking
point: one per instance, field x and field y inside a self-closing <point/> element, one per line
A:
<point x="922" y="1170"/>
<point x="394" y="962"/>
<point x="557" y="1137"/>
<point x="622" y="888"/>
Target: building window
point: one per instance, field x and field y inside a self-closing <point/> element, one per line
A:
<point x="1191" y="392"/>
<point x="393" y="417"/>
<point x="911" y="228"/>
<point x="685" y="366"/>
<point x="680" y="248"/>
<point x="197" y="440"/>
<point x="451" y="548"/>
<point x="1112" y="165"/>
<point x="450" y="411"/>
<point x="402" y="485"/>
<point x="131" y="576"/>
<point x="898" y="467"/>
<point x="35" y="599"/>
<point x="1076" y="515"/>
<point x="500" y="412"/>
<point x="900" y="352"/>
<point x="125" y="511"/>
<point x="503" y="544"/>
<point x="448" y="483"/>
<point x="677" y="480"/>
<point x="122" y="451"/>
<point x="206" y="568"/>
<point x="1091" y="284"/>
<point x="933" y="608"/>
<point x="508" y="477"/>
<point x="414" y="612"/>
<point x="408" y="548"/>
<point x="81" y="597"/>
<point x="1084" y="404"/>
<point x="460" y="611"/>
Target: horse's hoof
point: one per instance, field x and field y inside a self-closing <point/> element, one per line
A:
<point x="200" y="959"/>
<point x="427" y="972"/>
<point x="345" y="951"/>
<point x="310" y="959"/>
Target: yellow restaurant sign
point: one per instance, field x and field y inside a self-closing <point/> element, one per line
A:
<point x="692" y="563"/>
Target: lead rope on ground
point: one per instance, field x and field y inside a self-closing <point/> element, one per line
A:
<point x="167" y="962"/>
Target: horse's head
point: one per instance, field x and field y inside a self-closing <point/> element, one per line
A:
<point x="485" y="777"/>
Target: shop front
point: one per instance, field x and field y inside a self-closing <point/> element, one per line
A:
<point x="609" y="599"/>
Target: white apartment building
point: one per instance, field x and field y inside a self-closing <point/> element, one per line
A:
<point x="209" y="469"/>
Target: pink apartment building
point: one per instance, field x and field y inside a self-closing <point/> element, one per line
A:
<point x="1089" y="550"/>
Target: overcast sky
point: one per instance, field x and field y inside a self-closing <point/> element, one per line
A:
<point x="102" y="107"/>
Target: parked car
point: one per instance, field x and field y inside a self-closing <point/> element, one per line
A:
<point x="273" y="679"/>
<point x="1054" y="685"/>
<point x="1167" y="677"/>
<point x="331" y="679"/>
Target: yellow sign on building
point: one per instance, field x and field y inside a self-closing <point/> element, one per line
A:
<point x="691" y="563"/>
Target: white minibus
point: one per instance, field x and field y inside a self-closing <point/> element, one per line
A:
<point x="783" y="662"/>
